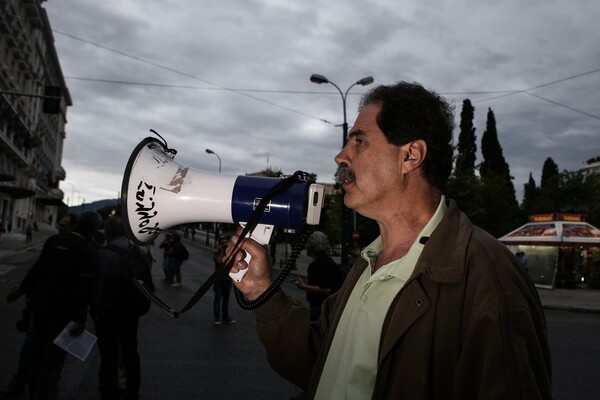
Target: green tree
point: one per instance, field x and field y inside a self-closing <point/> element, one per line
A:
<point x="331" y="219"/>
<point x="592" y="190"/>
<point x="570" y="194"/>
<point x="549" y="200"/>
<point x="270" y="172"/>
<point x="498" y="193"/>
<point x="531" y="194"/>
<point x="467" y="146"/>
<point x="567" y="192"/>
<point x="493" y="164"/>
<point x="550" y="173"/>
<point x="467" y="192"/>
<point x="464" y="185"/>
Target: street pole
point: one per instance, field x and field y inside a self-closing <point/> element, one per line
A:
<point x="346" y="212"/>
<point x="216" y="226"/>
<point x="72" y="195"/>
<point x="209" y="151"/>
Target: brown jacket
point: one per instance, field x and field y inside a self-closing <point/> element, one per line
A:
<point x="468" y="324"/>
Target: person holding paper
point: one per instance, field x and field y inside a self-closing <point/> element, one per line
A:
<point x="58" y="284"/>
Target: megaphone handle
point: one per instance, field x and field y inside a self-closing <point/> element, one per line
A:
<point x="262" y="234"/>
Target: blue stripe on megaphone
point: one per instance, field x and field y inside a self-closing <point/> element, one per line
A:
<point x="286" y="210"/>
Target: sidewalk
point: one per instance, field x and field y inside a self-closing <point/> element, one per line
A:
<point x="576" y="300"/>
<point x="579" y="300"/>
<point x="13" y="242"/>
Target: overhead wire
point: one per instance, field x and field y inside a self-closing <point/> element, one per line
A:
<point x="245" y="92"/>
<point x="528" y="91"/>
<point x="563" y="105"/>
<point x="167" y="68"/>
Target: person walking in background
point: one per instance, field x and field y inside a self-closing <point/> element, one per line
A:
<point x="27" y="325"/>
<point x="177" y="255"/>
<point x="67" y="223"/>
<point x="221" y="285"/>
<point x="59" y="286"/>
<point x="324" y="276"/>
<point x="166" y="246"/>
<point x="523" y="260"/>
<point x="116" y="309"/>
<point x="29" y="233"/>
<point x="435" y="307"/>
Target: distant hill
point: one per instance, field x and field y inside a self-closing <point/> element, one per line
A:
<point x="94" y="206"/>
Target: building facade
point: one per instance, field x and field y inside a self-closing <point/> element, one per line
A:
<point x="33" y="113"/>
<point x="592" y="166"/>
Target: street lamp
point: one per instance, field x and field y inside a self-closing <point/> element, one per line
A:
<point x="209" y="151"/>
<point x="316" y="78"/>
<point x="72" y="198"/>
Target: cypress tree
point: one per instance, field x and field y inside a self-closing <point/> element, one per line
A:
<point x="498" y="192"/>
<point x="467" y="147"/>
<point x="531" y="194"/>
<point x="464" y="185"/>
<point x="494" y="164"/>
<point x="550" y="196"/>
<point x="550" y="172"/>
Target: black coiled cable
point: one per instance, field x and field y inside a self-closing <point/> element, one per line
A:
<point x="297" y="248"/>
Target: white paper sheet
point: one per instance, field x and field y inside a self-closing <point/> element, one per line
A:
<point x="79" y="346"/>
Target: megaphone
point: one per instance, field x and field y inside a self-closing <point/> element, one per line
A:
<point x="158" y="193"/>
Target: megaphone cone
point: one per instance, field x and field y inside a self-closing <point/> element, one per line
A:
<point x="158" y="193"/>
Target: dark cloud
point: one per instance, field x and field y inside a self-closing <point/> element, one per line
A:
<point x="201" y="58"/>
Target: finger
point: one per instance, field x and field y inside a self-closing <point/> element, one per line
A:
<point x="232" y="244"/>
<point x="238" y="263"/>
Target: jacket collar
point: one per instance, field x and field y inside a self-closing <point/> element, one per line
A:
<point x="443" y="258"/>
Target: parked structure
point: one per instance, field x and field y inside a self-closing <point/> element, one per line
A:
<point x="592" y="166"/>
<point x="562" y="250"/>
<point x="33" y="114"/>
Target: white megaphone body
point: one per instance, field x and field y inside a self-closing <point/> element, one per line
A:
<point x="158" y="193"/>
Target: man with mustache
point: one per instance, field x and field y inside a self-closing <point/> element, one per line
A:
<point x="435" y="308"/>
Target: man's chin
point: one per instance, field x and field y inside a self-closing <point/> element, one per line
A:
<point x="348" y="200"/>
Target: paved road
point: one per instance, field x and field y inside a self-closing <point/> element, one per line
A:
<point x="182" y="358"/>
<point x="190" y="358"/>
<point x="575" y="343"/>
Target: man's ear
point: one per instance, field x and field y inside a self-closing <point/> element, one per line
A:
<point x="413" y="155"/>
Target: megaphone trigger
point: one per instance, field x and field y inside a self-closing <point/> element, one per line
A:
<point x="262" y="234"/>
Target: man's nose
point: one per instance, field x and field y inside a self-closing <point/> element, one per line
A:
<point x="341" y="158"/>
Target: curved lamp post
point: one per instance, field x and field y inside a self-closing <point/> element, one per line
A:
<point x="316" y="78"/>
<point x="209" y="151"/>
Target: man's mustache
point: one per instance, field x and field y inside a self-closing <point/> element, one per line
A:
<point x="345" y="174"/>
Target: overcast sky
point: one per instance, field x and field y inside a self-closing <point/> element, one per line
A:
<point x="233" y="76"/>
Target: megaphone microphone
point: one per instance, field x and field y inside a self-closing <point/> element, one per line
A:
<point x="158" y="193"/>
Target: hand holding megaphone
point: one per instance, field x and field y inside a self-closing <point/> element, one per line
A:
<point x="261" y="234"/>
<point x="253" y="262"/>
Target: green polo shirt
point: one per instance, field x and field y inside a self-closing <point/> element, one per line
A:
<point x="351" y="365"/>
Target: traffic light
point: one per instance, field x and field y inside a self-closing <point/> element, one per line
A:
<point x="51" y="104"/>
